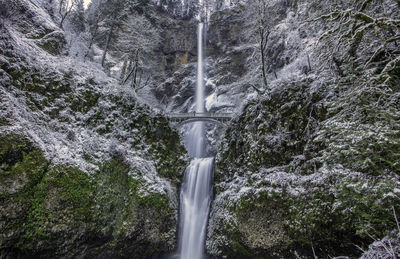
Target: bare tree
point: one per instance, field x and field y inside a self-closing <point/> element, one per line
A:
<point x="138" y="39"/>
<point x="107" y="45"/>
<point x="65" y="8"/>
<point x="115" y="13"/>
<point x="94" y="17"/>
<point x="259" y="25"/>
<point x="364" y="35"/>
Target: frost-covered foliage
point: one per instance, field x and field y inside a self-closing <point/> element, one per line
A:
<point x="138" y="41"/>
<point x="311" y="166"/>
<point x="386" y="248"/>
<point x="86" y="136"/>
<point x="119" y="35"/>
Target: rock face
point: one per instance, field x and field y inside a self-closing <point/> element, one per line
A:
<point x="281" y="192"/>
<point x="302" y="169"/>
<point x="64" y="212"/>
<point x="86" y="171"/>
<point x="179" y="43"/>
<point x="53" y="42"/>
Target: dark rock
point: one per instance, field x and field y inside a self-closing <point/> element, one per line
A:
<point x="179" y="43"/>
<point x="64" y="212"/>
<point x="53" y="42"/>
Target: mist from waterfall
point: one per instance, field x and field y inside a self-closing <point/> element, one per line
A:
<point x="196" y="192"/>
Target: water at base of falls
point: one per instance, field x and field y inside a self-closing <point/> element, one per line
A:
<point x="195" y="203"/>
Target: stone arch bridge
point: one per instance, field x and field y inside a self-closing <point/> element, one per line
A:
<point x="183" y="118"/>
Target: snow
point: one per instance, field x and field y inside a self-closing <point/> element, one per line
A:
<point x="386" y="248"/>
<point x="71" y="136"/>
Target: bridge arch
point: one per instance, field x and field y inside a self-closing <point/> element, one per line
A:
<point x="192" y="120"/>
<point x="184" y="118"/>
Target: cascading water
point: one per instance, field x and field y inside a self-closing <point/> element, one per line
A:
<point x="195" y="204"/>
<point x="196" y="141"/>
<point x="196" y="190"/>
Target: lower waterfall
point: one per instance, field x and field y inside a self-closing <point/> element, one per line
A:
<point x="195" y="199"/>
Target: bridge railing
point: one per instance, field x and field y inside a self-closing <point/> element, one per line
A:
<point x="200" y="115"/>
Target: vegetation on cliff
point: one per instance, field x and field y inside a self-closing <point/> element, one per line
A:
<point x="310" y="167"/>
<point x="58" y="210"/>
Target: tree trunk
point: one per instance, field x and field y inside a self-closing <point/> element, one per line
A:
<point x="263" y="44"/>
<point x="67" y="11"/>
<point x="136" y="68"/>
<point x="62" y="20"/>
<point x="263" y="67"/>
<point x="103" y="59"/>
<point x="123" y="70"/>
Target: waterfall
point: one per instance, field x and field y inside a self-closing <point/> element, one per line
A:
<point x="196" y="137"/>
<point x="196" y="192"/>
<point x="200" y="76"/>
<point x="195" y="203"/>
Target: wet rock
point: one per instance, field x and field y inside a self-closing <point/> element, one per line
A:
<point x="61" y="211"/>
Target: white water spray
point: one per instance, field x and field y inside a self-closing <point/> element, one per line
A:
<point x="196" y="190"/>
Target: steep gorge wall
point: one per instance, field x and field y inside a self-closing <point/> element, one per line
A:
<point x="86" y="171"/>
<point x="94" y="173"/>
<point x="309" y="166"/>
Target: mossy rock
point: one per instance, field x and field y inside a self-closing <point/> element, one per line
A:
<point x="59" y="210"/>
<point x="86" y="101"/>
<point x="53" y="42"/>
<point x="274" y="131"/>
<point x="22" y="165"/>
<point x="166" y="147"/>
<point x="123" y="212"/>
<point x="296" y="132"/>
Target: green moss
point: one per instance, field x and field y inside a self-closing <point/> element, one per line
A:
<point x="21" y="163"/>
<point x="34" y="229"/>
<point x="12" y="149"/>
<point x="74" y="191"/>
<point x="59" y="207"/>
<point x="86" y="101"/>
<point x="62" y="188"/>
<point x="121" y="207"/>
<point x="331" y="221"/>
<point x="166" y="148"/>
<point x="4" y="122"/>
<point x="50" y="46"/>
<point x="273" y="131"/>
<point x="360" y="148"/>
<point x="239" y="249"/>
<point x="23" y="167"/>
<point x="125" y="188"/>
<point x="111" y="195"/>
<point x="360" y="198"/>
<point x="156" y="201"/>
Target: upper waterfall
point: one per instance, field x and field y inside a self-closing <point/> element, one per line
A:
<point x="196" y="138"/>
<point x="200" y="75"/>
